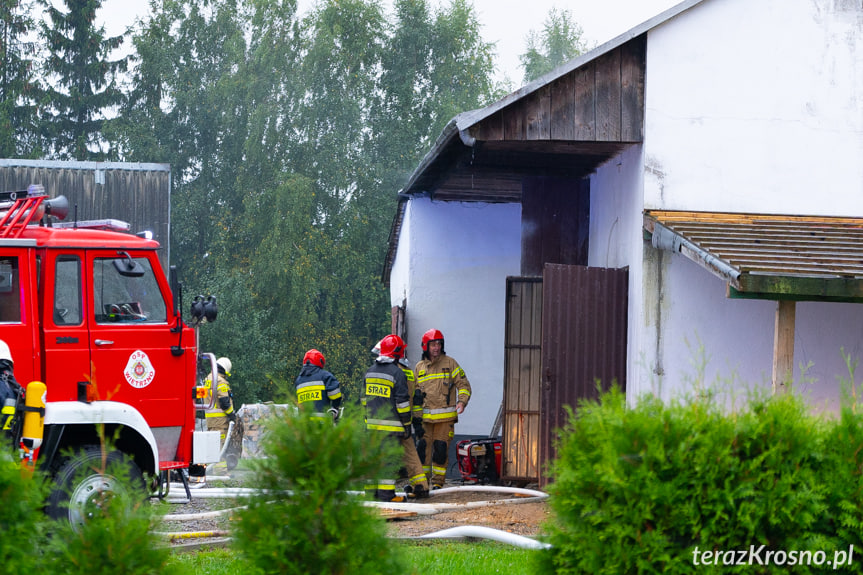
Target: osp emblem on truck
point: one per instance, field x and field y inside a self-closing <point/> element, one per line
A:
<point x="139" y="371"/>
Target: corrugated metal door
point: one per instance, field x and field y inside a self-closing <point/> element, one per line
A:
<point x="584" y="330"/>
<point x="522" y="372"/>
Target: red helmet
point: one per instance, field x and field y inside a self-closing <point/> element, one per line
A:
<point x="393" y="346"/>
<point x="432" y="335"/>
<point x="315" y="357"/>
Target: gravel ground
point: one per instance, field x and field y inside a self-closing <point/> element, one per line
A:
<point x="500" y="511"/>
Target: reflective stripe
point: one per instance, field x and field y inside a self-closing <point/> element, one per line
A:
<point x="216" y="414"/>
<point x="335" y="394"/>
<point x="382" y="378"/>
<point x="311" y="384"/>
<point x="404" y="407"/>
<point x="385" y="425"/>
<point x="464" y="392"/>
<point x="439" y="414"/>
<point x="421" y="478"/>
<point x="438" y="470"/>
<point x="440" y="410"/>
<point x="432" y="376"/>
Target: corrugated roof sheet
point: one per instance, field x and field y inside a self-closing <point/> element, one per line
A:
<point x="783" y="255"/>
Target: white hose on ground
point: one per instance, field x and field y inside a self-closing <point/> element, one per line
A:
<point x="201" y="515"/>
<point x="486" y="533"/>
<point x="227" y="441"/>
<point x="219" y="478"/>
<point x="425" y="508"/>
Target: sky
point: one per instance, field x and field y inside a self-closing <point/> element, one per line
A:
<point x="504" y="22"/>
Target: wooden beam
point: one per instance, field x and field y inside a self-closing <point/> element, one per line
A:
<point x="783" y="346"/>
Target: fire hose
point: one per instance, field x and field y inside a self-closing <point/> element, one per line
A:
<point x="425" y="508"/>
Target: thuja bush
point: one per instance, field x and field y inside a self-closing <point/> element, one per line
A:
<point x="117" y="534"/>
<point x="21" y="519"/>
<point x="649" y="488"/>
<point x="308" y="517"/>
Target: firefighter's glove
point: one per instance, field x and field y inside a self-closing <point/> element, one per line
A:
<point x="232" y="416"/>
<point x="419" y="431"/>
<point x="334" y="413"/>
<point x="407" y="432"/>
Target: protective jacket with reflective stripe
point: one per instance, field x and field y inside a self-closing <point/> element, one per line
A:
<point x="319" y="388"/>
<point x="386" y="398"/>
<point x="443" y="384"/>
<point x="223" y="398"/>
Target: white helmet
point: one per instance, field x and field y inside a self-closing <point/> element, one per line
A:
<point x="225" y="364"/>
<point x="5" y="353"/>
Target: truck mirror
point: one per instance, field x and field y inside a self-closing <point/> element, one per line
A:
<point x="211" y="310"/>
<point x="128" y="267"/>
<point x="176" y="288"/>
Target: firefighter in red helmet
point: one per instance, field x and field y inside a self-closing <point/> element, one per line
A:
<point x="318" y="388"/>
<point x="446" y="392"/>
<point x="418" y="485"/>
<point x="387" y="401"/>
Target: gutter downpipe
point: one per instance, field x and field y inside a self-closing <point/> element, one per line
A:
<point x="665" y="239"/>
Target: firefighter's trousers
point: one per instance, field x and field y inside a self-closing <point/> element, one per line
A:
<point x="437" y="439"/>
<point x="411" y="461"/>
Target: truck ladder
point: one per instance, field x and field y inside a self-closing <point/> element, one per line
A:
<point x="19" y="212"/>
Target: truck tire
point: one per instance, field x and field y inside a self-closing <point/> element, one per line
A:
<point x="79" y="483"/>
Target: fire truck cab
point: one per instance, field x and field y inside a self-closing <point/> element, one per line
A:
<point x="86" y="309"/>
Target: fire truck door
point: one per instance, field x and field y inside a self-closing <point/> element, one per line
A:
<point x="131" y="337"/>
<point x="18" y="325"/>
<point x="66" y="338"/>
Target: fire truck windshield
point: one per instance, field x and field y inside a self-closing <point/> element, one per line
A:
<point x="122" y="298"/>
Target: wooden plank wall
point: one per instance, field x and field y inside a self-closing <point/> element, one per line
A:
<point x="522" y="376"/>
<point x="601" y="101"/>
<point x="555" y="223"/>
<point x="140" y="197"/>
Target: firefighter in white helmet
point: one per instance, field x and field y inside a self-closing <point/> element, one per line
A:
<point x="222" y="413"/>
<point x="10" y="392"/>
<point x="445" y="391"/>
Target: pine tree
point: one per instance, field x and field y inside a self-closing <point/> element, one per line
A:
<point x="83" y="82"/>
<point x="18" y="87"/>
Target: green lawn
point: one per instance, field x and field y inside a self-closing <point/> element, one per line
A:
<point x="479" y="558"/>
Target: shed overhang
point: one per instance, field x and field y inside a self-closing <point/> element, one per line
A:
<point x="767" y="256"/>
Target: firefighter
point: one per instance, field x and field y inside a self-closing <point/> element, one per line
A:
<point x="418" y="485"/>
<point x="318" y="388"/>
<point x="445" y="391"/>
<point x="387" y="402"/>
<point x="222" y="412"/>
<point x="10" y="394"/>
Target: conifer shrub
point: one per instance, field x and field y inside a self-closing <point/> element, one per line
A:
<point x="117" y="533"/>
<point x="309" y="516"/>
<point x="640" y="489"/>
<point x="22" y="522"/>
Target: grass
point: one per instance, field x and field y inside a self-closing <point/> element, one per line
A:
<point x="479" y="558"/>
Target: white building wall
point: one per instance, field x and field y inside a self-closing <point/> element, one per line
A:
<point x="451" y="267"/>
<point x="616" y="235"/>
<point x="769" y="119"/>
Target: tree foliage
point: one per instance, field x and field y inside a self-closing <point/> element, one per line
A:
<point x="559" y="41"/>
<point x="19" y="86"/>
<point x="82" y="81"/>
<point x="288" y="137"/>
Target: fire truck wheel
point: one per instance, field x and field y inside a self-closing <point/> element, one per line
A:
<point x="80" y="487"/>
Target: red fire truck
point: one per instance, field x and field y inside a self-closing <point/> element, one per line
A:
<point x="86" y="309"/>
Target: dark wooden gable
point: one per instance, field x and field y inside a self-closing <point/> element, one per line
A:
<point x="565" y="128"/>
